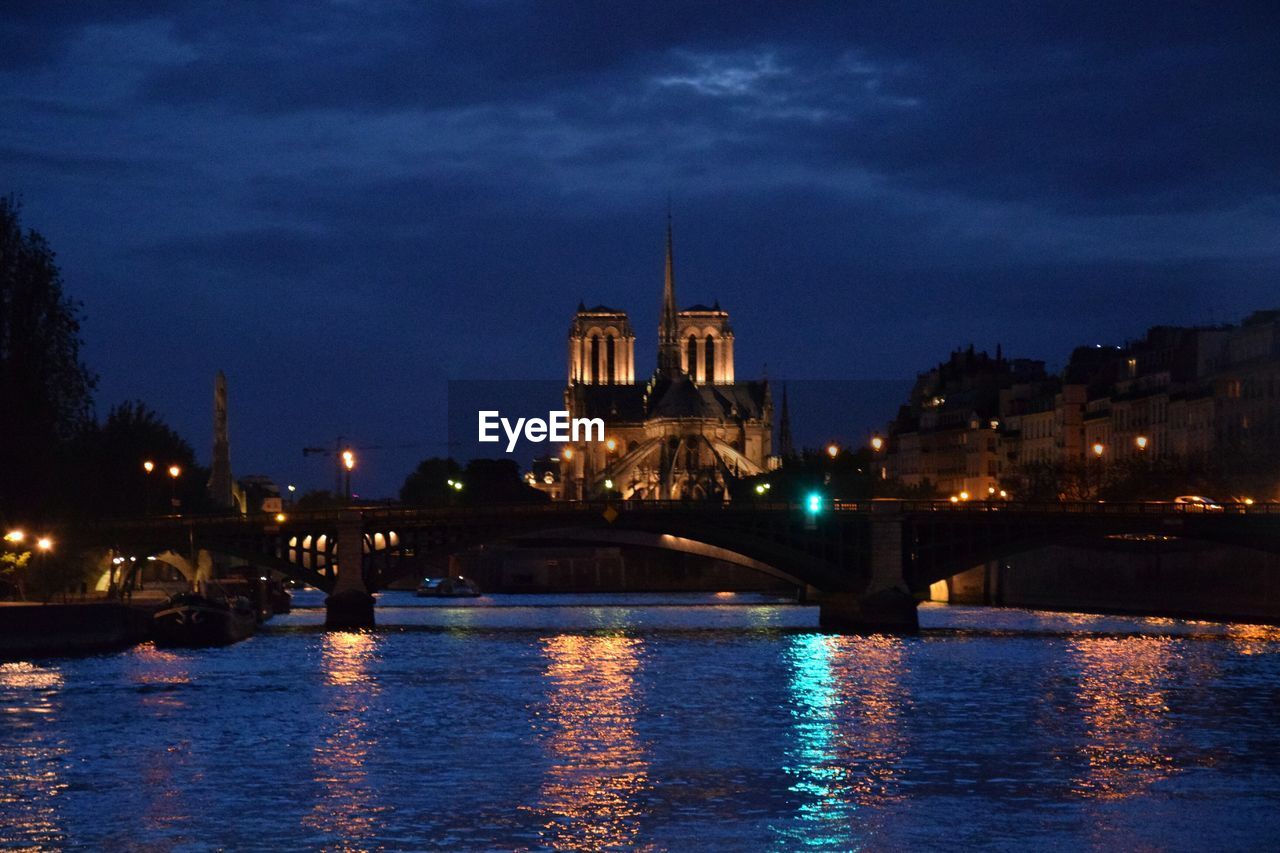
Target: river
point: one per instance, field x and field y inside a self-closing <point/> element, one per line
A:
<point x="685" y="722"/>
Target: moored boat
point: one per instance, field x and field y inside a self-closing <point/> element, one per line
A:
<point x="194" y="619"/>
<point x="448" y="587"/>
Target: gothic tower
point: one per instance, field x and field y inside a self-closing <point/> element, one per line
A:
<point x="602" y="347"/>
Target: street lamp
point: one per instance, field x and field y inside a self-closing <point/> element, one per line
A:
<point x="148" y="466"/>
<point x="175" y="471"/>
<point x="1141" y="442"/>
<point x="44" y="543"/>
<point x="833" y="450"/>
<point x="877" y="443"/>
<point x="15" y="536"/>
<point x="348" y="462"/>
<point x="1098" y="449"/>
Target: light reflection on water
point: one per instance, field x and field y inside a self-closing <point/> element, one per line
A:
<point x="654" y="727"/>
<point x="847" y="703"/>
<point x="346" y="809"/>
<point x="1122" y="702"/>
<point x="589" y="796"/>
<point x="31" y="764"/>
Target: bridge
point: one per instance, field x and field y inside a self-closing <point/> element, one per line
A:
<point x="866" y="564"/>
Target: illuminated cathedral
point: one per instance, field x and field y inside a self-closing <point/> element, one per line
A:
<point x="684" y="432"/>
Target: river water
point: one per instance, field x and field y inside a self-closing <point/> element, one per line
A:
<point x="653" y="722"/>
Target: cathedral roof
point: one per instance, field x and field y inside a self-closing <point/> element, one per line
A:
<point x="671" y="398"/>
<point x="599" y="309"/>
<point x="703" y="308"/>
<point x="681" y="398"/>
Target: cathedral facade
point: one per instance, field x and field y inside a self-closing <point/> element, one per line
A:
<point x="684" y="431"/>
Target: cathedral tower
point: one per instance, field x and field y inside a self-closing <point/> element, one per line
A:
<point x="602" y="347"/>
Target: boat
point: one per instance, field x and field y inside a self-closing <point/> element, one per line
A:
<point x="448" y="587"/>
<point x="194" y="619"/>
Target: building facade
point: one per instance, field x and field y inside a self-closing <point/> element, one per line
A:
<point x="976" y="424"/>
<point x="684" y="432"/>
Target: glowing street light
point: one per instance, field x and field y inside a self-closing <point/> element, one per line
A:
<point x="954" y="499"/>
<point x="567" y="453"/>
<point x="833" y="450"/>
<point x="1098" y="449"/>
<point x="348" y="459"/>
<point x="15" y="536"/>
<point x="608" y="485"/>
<point x="611" y="444"/>
<point x="148" y="466"/>
<point x="877" y="443"/>
<point x="44" y="543"/>
<point x="175" y="471"/>
<point x="280" y="518"/>
<point x="1141" y="442"/>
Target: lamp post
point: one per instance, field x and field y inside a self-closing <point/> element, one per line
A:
<point x="1098" y="449"/>
<point x="348" y="462"/>
<point x="175" y="471"/>
<point x="148" y="468"/>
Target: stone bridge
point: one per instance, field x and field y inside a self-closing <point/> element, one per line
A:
<point x="865" y="563"/>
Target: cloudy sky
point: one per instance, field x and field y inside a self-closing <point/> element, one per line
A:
<point x="344" y="204"/>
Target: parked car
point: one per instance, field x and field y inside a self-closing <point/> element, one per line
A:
<point x="1196" y="503"/>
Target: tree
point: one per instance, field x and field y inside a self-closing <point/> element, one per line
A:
<point x="108" y="467"/>
<point x="483" y="481"/>
<point x="428" y="485"/>
<point x="45" y="387"/>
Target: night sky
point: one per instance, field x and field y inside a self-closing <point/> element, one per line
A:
<point x="343" y="205"/>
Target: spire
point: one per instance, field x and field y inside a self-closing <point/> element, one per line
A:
<point x="221" y="488"/>
<point x="785" y="448"/>
<point x="668" y="331"/>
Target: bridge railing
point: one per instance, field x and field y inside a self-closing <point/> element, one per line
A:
<point x="582" y="509"/>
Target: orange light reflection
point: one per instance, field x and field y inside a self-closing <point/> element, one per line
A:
<point x="346" y="809"/>
<point x="1124" y="713"/>
<point x="589" y="796"/>
<point x="30" y="781"/>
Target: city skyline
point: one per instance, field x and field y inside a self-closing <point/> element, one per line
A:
<point x="223" y="195"/>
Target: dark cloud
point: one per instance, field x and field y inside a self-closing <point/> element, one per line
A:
<point x="343" y="204"/>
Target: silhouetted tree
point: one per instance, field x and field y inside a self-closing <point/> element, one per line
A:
<point x="428" y="485"/>
<point x="45" y="389"/>
<point x="497" y="481"/>
<point x="484" y="481"/>
<point x="108" y="473"/>
<point x="319" y="499"/>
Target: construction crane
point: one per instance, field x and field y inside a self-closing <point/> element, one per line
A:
<point x="344" y="459"/>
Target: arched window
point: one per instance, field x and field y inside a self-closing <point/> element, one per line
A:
<point x="710" y="356"/>
<point x="693" y="356"/>
<point x="595" y="359"/>
<point x="610" y="347"/>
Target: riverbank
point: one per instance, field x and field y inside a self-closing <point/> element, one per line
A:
<point x="39" y="630"/>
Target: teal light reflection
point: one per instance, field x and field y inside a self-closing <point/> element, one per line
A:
<point x="846" y="704"/>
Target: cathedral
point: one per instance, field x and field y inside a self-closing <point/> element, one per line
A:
<point x="682" y="433"/>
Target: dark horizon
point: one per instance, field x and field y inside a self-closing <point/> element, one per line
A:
<point x="345" y="207"/>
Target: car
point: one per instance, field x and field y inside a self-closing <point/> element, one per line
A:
<point x="1196" y="503"/>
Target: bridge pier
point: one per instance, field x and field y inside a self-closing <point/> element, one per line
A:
<point x="889" y="611"/>
<point x="886" y="604"/>
<point x="350" y="606"/>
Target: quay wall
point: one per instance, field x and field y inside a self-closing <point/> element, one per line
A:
<point x="39" y="630"/>
<point x="1174" y="578"/>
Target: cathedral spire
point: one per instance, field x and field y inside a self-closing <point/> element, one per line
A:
<point x="668" y="332"/>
